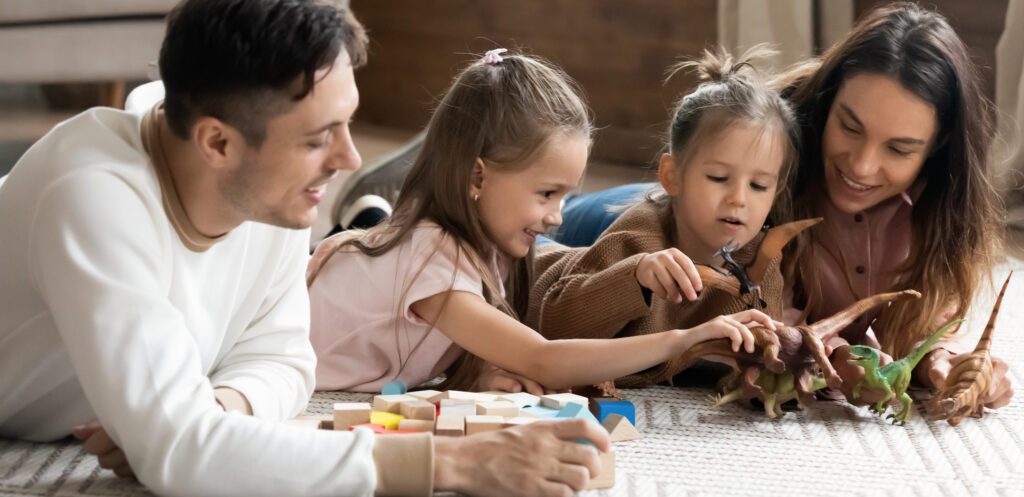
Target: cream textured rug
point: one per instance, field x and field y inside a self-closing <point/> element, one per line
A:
<point x="689" y="450"/>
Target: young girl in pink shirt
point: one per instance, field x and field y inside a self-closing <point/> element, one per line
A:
<point x="448" y="273"/>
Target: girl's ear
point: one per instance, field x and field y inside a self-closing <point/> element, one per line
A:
<point x="477" y="176"/>
<point x="667" y="174"/>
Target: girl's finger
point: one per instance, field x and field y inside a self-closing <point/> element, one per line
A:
<point x="690" y="269"/>
<point x="681" y="280"/>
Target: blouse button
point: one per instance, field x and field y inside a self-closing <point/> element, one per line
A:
<point x="858" y="218"/>
<point x="859" y="269"/>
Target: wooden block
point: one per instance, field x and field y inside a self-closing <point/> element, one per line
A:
<point x="503" y="409"/>
<point x="519" y="420"/>
<point x="620" y="429"/>
<point x="478" y="424"/>
<point x="474" y="396"/>
<point x="315" y="421"/>
<point x="390" y="403"/>
<point x="348" y="414"/>
<point x="416" y="425"/>
<point x="521" y="399"/>
<point x="418" y="409"/>
<point x="447" y="426"/>
<point x="388" y="419"/>
<point x="458" y="408"/>
<point x="606" y="478"/>
<point x="559" y="400"/>
<point x="602" y="407"/>
<point x="432" y="396"/>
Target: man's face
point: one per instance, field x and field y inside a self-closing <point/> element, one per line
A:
<point x="282" y="181"/>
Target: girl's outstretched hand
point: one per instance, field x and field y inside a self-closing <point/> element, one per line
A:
<point x="735" y="327"/>
<point x="944" y="370"/>
<point x="670" y="274"/>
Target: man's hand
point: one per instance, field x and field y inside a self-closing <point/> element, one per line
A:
<point x="539" y="459"/>
<point x="669" y="274"/>
<point x="99" y="444"/>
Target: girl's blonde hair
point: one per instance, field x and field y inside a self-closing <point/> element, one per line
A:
<point x="955" y="223"/>
<point x="731" y="92"/>
<point x="504" y="113"/>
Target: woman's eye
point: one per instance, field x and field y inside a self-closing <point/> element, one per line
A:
<point x="847" y="128"/>
<point x="717" y="179"/>
<point x="316" y="145"/>
<point x="900" y="152"/>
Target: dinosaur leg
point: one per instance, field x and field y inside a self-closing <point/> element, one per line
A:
<point x="904" y="414"/>
<point x="813" y="343"/>
<point x="720" y="399"/>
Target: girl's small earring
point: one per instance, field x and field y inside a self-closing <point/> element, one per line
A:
<point x="476" y="197"/>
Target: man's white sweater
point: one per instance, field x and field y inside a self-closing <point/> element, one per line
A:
<point x="104" y="313"/>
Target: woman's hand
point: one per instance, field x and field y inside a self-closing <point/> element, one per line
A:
<point x="99" y="444"/>
<point x="852" y="374"/>
<point x="670" y="274"/>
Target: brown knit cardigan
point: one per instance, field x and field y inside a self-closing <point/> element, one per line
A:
<point x="592" y="292"/>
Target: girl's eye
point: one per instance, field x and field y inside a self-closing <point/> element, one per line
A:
<point x="548" y="194"/>
<point x="759" y="188"/>
<point x="717" y="179"/>
<point x="316" y="145"/>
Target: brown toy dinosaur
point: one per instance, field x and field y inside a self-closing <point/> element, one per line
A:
<point x="970" y="379"/>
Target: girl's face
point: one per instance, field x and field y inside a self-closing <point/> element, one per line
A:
<point x="516" y="206"/>
<point x="877" y="137"/>
<point x="726" y="189"/>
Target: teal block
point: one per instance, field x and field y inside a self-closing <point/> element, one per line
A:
<point x="396" y="387"/>
<point x="573" y="410"/>
<point x="540" y="411"/>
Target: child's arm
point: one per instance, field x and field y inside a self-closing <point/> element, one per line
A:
<point x="478" y="327"/>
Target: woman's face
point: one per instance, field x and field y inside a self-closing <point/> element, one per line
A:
<point x="877" y="137"/>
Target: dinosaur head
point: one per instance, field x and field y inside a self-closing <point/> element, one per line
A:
<point x="862" y="355"/>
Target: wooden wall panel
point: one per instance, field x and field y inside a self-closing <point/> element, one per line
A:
<point x="978" y="22"/>
<point x="618" y="51"/>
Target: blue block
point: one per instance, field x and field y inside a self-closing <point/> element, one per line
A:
<point x="396" y="387"/>
<point x="541" y="411"/>
<point x="624" y="408"/>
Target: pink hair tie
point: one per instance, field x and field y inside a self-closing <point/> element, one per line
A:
<point x="493" y="57"/>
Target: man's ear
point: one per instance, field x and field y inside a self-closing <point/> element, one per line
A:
<point x="477" y="177"/>
<point x="668" y="174"/>
<point x="217" y="142"/>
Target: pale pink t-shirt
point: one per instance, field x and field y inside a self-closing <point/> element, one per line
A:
<point x="362" y="328"/>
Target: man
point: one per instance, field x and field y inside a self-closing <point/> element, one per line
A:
<point x="152" y="266"/>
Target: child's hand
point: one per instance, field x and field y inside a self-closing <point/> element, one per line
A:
<point x="99" y="444"/>
<point x="735" y="327"/>
<point x="668" y="272"/>
<point x="492" y="378"/>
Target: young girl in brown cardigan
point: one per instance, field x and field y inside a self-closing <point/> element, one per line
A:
<point x="732" y="142"/>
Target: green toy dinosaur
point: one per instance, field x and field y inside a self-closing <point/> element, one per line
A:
<point x="893" y="378"/>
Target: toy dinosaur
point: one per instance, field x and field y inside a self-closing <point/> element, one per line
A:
<point x="777" y="389"/>
<point x="970" y="379"/>
<point x="893" y="378"/>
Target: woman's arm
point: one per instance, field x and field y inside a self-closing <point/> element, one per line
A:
<point x="482" y="330"/>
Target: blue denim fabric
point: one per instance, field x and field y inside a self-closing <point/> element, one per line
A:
<point x="585" y="217"/>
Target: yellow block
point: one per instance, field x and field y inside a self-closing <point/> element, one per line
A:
<point x="388" y="419"/>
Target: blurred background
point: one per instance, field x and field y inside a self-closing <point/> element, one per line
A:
<point x="58" y="57"/>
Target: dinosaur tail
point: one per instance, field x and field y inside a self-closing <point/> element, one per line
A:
<point x="832" y="325"/>
<point x="772" y="245"/>
<point x="915" y="357"/>
<point x="985" y="343"/>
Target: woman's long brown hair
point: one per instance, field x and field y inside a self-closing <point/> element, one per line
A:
<point x="956" y="222"/>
